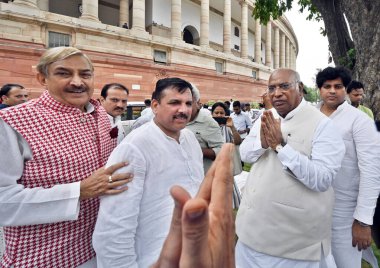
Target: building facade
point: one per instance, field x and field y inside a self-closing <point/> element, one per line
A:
<point x="215" y="44"/>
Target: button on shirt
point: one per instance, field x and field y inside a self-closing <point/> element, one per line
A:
<point x="132" y="226"/>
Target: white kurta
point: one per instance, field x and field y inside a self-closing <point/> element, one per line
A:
<point x="132" y="226"/>
<point x="316" y="174"/>
<point x="357" y="184"/>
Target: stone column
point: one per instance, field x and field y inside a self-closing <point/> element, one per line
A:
<point x="90" y="10"/>
<point x="276" y="48"/>
<point x="176" y="19"/>
<point x="294" y="57"/>
<point x="227" y="27"/>
<point x="244" y="30"/>
<point x="138" y="19"/>
<point x="268" y="45"/>
<point x="282" y="50"/>
<point x="124" y="13"/>
<point x="205" y="20"/>
<point x="43" y="5"/>
<point x="30" y="3"/>
<point x="287" y="53"/>
<point x="258" y="42"/>
<point x="291" y="56"/>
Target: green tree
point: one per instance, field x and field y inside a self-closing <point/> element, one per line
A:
<point x="312" y="94"/>
<point x="360" y="53"/>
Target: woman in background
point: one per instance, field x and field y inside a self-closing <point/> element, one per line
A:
<point x="230" y="135"/>
<point x="228" y="129"/>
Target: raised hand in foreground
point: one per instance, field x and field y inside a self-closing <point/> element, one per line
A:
<point x="202" y="232"/>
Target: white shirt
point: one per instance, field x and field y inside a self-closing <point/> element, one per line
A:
<point x="316" y="173"/>
<point x="146" y="110"/>
<point x="27" y="206"/>
<point x="357" y="184"/>
<point x="241" y="122"/>
<point x="132" y="226"/>
<point x="148" y="116"/>
<point x="116" y="122"/>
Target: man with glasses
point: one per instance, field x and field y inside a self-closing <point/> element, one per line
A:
<point x="114" y="99"/>
<point x="284" y="219"/>
<point x="357" y="184"/>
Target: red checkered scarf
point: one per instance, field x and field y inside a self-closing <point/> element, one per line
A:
<point x="67" y="146"/>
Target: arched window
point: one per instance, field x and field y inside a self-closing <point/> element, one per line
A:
<point x="188" y="37"/>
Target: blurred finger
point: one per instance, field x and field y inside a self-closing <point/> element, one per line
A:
<point x="119" y="183"/>
<point x="195" y="224"/>
<point x="223" y="178"/>
<point x="122" y="176"/>
<point x="354" y="242"/>
<point x="205" y="188"/>
<point x="116" y="191"/>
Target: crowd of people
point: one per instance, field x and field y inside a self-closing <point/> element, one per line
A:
<point x="76" y="191"/>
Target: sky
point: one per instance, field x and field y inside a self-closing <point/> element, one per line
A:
<point x="312" y="46"/>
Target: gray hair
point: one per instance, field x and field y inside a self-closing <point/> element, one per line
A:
<point x="195" y="92"/>
<point x="56" y="54"/>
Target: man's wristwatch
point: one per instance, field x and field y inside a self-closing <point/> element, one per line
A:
<point x="363" y="224"/>
<point x="279" y="146"/>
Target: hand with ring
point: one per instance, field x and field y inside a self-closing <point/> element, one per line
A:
<point x="102" y="182"/>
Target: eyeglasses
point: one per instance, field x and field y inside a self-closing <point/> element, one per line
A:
<point x="282" y="87"/>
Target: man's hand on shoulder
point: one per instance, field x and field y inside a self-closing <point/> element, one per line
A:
<point x="102" y="182"/>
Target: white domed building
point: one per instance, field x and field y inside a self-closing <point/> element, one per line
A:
<point x="215" y="44"/>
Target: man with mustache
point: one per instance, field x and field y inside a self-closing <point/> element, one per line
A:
<point x="12" y="94"/>
<point x="132" y="227"/>
<point x="51" y="167"/>
<point x="284" y="218"/>
<point x="114" y="97"/>
<point x="206" y="130"/>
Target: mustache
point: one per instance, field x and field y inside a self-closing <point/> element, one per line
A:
<point x="72" y="88"/>
<point x="181" y="116"/>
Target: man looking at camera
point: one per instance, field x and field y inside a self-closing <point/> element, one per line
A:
<point x="132" y="227"/>
<point x="12" y="94"/>
<point x="52" y="172"/>
<point x="357" y="184"/>
<point x="284" y="219"/>
<point x="114" y="99"/>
